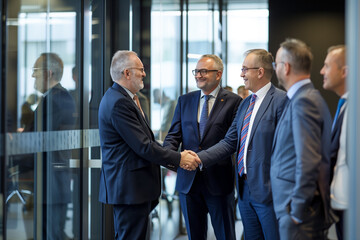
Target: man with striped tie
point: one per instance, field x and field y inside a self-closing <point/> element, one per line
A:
<point x="251" y="135"/>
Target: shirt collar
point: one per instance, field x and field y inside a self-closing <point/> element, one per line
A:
<point x="296" y="86"/>
<point x="262" y="91"/>
<point x="346" y="95"/>
<point x="213" y="93"/>
<point x="128" y="92"/>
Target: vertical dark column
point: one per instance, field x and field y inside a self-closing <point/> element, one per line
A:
<point x="141" y="31"/>
<point x="319" y="23"/>
<point x="2" y="118"/>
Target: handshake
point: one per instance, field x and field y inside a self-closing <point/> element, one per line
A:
<point x="189" y="160"/>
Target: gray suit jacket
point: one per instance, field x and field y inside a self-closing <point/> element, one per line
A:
<point x="301" y="157"/>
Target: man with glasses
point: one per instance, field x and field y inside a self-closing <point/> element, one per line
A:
<point x="55" y="112"/>
<point x="202" y="119"/>
<point x="300" y="158"/>
<point x="130" y="173"/>
<point x="251" y="135"/>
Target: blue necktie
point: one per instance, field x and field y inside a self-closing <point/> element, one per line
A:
<point x="204" y="115"/>
<point x="340" y="104"/>
<point x="244" y="132"/>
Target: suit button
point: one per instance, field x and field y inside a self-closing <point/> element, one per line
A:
<point x="200" y="148"/>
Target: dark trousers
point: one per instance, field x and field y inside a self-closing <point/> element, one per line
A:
<point x="132" y="221"/>
<point x="340" y="225"/>
<point x="258" y="219"/>
<point x="198" y="203"/>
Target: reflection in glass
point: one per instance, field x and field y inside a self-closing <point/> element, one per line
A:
<point x="40" y="190"/>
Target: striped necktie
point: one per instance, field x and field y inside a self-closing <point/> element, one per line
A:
<point x="244" y="132"/>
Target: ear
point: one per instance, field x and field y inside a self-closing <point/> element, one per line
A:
<point x="50" y="74"/>
<point x="344" y="71"/>
<point x="287" y="68"/>
<point x="218" y="75"/>
<point x="127" y="73"/>
<point x="261" y="72"/>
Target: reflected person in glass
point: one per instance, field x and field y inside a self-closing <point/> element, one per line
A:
<point x="55" y="112"/>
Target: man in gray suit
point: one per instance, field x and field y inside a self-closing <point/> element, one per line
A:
<point x="300" y="158"/>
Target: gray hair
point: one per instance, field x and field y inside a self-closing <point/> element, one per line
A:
<point x="119" y="62"/>
<point x="218" y="62"/>
<point x="52" y="61"/>
<point x="264" y="59"/>
<point x="298" y="54"/>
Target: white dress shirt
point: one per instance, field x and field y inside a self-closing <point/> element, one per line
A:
<point x="211" y="101"/>
<point x="260" y="95"/>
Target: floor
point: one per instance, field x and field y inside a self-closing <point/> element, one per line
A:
<point x="169" y="228"/>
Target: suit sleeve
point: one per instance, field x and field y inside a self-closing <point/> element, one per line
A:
<point x="224" y="148"/>
<point x="306" y="125"/>
<point x="174" y="137"/>
<point x="126" y="122"/>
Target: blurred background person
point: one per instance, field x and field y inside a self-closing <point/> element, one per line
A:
<point x="242" y="92"/>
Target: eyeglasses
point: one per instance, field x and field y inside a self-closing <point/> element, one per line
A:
<point x="245" y="69"/>
<point x="275" y="64"/>
<point x="141" y="69"/>
<point x="34" y="69"/>
<point x="202" y="72"/>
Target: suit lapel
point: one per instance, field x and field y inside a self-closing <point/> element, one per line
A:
<point x="195" y="101"/>
<point x="283" y="115"/>
<point x="143" y="120"/>
<point x="262" y="109"/>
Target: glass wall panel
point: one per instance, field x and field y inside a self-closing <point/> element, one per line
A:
<point x="43" y="112"/>
<point x="165" y="89"/>
<point x="200" y="37"/>
<point x="247" y="28"/>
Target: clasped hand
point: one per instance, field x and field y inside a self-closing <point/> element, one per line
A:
<point x="189" y="160"/>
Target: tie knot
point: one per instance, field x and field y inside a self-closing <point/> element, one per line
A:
<point x="207" y="97"/>
<point x="253" y="98"/>
<point x="341" y="102"/>
<point x="135" y="97"/>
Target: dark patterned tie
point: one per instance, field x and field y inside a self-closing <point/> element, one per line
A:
<point x="204" y="115"/>
<point x="244" y="132"/>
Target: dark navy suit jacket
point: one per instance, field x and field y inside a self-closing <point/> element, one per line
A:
<point x="184" y="129"/>
<point x="335" y="140"/>
<point x="130" y="172"/>
<point x="260" y="143"/>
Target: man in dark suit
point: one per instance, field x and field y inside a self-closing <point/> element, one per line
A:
<point x="130" y="173"/>
<point x="202" y="119"/>
<point x="335" y="73"/>
<point x="300" y="161"/>
<point x="255" y="200"/>
<point x="55" y="112"/>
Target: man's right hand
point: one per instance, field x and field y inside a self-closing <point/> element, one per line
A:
<point x="189" y="160"/>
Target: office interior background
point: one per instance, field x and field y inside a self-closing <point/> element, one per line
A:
<point x="169" y="36"/>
